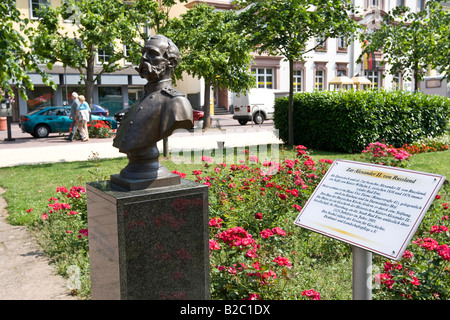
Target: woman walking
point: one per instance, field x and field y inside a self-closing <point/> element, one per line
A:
<point x="83" y="115"/>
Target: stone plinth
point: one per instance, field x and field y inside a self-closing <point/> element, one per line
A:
<point x="148" y="244"/>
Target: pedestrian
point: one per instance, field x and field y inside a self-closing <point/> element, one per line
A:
<point x="73" y="114"/>
<point x="83" y="116"/>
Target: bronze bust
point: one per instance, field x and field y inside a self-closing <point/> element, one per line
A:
<point x="160" y="111"/>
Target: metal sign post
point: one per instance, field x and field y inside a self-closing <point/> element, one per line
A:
<point x="362" y="274"/>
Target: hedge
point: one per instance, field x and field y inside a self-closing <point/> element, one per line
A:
<point x="347" y="121"/>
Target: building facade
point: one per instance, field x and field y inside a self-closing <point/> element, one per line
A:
<point x="335" y="57"/>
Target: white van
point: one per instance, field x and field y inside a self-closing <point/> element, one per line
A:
<point x="256" y="106"/>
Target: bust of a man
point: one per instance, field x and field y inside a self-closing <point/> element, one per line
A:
<point x="160" y="111"/>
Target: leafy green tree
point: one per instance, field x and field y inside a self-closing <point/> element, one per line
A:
<point x="16" y="60"/>
<point x="101" y="25"/>
<point x="284" y="27"/>
<point x="212" y="48"/>
<point x="411" y="41"/>
<point x="439" y="21"/>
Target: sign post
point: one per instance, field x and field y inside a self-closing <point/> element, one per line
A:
<point x="362" y="274"/>
<point x="376" y="209"/>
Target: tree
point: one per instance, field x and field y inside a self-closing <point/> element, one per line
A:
<point x="410" y="41"/>
<point x="16" y="60"/>
<point x="284" y="27"/>
<point x="439" y="21"/>
<point x="212" y="48"/>
<point x="106" y="26"/>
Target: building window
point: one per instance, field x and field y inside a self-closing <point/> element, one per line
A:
<point x="36" y="5"/>
<point x="103" y="55"/>
<point x="264" y="77"/>
<point x="396" y="81"/>
<point x="420" y="5"/>
<point x="400" y="3"/>
<point x="298" y="80"/>
<point x="40" y="97"/>
<point x="110" y="98"/>
<point x="321" y="44"/>
<point x="374" y="77"/>
<point x="320" y="80"/>
<point x="126" y="53"/>
<point x="374" y="3"/>
<point x="341" y="69"/>
<point x="342" y="44"/>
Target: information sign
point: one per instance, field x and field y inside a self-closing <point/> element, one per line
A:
<point x="376" y="208"/>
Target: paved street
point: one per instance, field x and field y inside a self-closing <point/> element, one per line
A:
<point x="28" y="150"/>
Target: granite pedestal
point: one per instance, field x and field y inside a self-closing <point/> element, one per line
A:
<point x="148" y="244"/>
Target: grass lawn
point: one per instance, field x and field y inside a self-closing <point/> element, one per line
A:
<point x="31" y="186"/>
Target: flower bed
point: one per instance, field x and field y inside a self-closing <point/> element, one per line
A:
<point x="256" y="252"/>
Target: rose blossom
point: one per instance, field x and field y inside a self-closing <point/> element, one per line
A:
<point x="312" y="294"/>
<point x="282" y="261"/>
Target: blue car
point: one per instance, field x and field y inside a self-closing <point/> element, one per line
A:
<point x="99" y="111"/>
<point x="40" y="122"/>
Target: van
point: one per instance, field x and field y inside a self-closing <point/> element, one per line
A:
<point x="256" y="106"/>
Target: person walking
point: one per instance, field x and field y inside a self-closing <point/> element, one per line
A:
<point x="73" y="113"/>
<point x="83" y="116"/>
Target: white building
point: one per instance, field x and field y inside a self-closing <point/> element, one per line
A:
<point x="336" y="58"/>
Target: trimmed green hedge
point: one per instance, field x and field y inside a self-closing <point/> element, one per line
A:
<point x="347" y="121"/>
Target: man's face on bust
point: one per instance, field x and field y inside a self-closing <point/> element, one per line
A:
<point x="154" y="65"/>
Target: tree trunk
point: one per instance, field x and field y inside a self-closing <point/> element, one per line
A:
<point x="206" y="107"/>
<point x="89" y="81"/>
<point x="291" y="104"/>
<point x="416" y="78"/>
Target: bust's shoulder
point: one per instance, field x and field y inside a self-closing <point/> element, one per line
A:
<point x="172" y="92"/>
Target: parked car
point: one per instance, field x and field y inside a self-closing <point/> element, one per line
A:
<point x="99" y="111"/>
<point x="197" y="116"/>
<point x="40" y="122"/>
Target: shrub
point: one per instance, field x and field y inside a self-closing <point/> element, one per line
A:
<point x="63" y="234"/>
<point x="256" y="251"/>
<point x="423" y="273"/>
<point x="347" y="121"/>
<point x="98" y="129"/>
<point x="380" y="153"/>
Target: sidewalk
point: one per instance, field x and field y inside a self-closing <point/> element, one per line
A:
<point x="27" y="150"/>
<point x="25" y="272"/>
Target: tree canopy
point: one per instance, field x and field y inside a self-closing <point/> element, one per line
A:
<point x="114" y="28"/>
<point x="411" y="41"/>
<point x="16" y="60"/>
<point x="285" y="27"/>
<point x="212" y="48"/>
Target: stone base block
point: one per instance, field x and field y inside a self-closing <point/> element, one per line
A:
<point x="148" y="244"/>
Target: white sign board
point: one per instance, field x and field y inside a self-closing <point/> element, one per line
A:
<point x="377" y="208"/>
